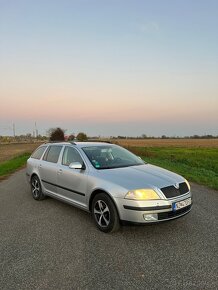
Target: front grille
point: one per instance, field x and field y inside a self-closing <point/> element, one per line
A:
<point x="171" y="191"/>
<point x="172" y="214"/>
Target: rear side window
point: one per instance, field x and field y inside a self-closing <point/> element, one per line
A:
<point x="53" y="153"/>
<point x="37" y="154"/>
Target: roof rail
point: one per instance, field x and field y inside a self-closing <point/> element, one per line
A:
<point x="100" y="141"/>
<point x="55" y="142"/>
<point x="94" y="140"/>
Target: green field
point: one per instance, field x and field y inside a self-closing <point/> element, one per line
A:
<point x="9" y="166"/>
<point x="199" y="165"/>
<point x="195" y="164"/>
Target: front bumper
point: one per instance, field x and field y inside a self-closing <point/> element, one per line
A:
<point x="152" y="210"/>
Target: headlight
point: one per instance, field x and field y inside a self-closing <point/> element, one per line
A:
<point x="142" y="194"/>
<point x="188" y="185"/>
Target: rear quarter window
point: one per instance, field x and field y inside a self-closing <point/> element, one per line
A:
<point x="37" y="154"/>
<point x="52" y="154"/>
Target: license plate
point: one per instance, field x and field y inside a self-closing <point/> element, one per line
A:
<point x="181" y="204"/>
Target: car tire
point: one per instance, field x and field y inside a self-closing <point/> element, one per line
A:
<point x="36" y="188"/>
<point x="105" y="213"/>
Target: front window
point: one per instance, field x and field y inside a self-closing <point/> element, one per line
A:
<point x="71" y="155"/>
<point x="107" y="157"/>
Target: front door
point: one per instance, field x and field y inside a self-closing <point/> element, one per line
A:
<point x="72" y="183"/>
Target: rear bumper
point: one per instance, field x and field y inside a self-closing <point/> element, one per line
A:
<point x="144" y="212"/>
<point x="27" y="177"/>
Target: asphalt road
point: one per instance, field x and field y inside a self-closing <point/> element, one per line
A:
<point x="52" y="245"/>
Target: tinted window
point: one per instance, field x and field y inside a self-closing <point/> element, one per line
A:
<point x="37" y="154"/>
<point x="71" y="155"/>
<point x="53" y="153"/>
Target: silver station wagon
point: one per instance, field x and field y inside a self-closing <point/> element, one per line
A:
<point x="109" y="181"/>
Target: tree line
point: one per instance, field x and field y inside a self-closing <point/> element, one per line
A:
<point x="58" y="134"/>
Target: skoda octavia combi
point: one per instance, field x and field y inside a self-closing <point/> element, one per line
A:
<point x="109" y="181"/>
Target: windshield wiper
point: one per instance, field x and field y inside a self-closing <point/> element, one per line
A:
<point x="120" y="166"/>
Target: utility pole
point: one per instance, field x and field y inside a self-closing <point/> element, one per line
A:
<point x="36" y="131"/>
<point x="14" y="130"/>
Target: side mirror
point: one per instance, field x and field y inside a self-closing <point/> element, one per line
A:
<point x="76" y="165"/>
<point x="139" y="157"/>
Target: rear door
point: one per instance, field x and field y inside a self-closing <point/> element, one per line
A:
<point x="48" y="168"/>
<point x="72" y="183"/>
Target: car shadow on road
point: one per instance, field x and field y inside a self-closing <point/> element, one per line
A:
<point x="84" y="219"/>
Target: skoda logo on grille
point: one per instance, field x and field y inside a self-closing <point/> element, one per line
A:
<point x="176" y="185"/>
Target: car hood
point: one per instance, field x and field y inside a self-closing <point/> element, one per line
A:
<point x="142" y="176"/>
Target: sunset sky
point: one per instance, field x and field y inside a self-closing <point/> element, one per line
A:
<point x="109" y="67"/>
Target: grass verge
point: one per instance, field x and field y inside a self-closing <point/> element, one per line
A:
<point x="195" y="164"/>
<point x="10" y="166"/>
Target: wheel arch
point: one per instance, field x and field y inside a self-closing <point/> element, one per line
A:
<point x="97" y="191"/>
<point x="34" y="174"/>
<point x="37" y="175"/>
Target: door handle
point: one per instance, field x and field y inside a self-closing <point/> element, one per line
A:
<point x="60" y="171"/>
<point x="40" y="165"/>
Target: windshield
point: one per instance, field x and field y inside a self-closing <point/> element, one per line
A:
<point x="107" y="157"/>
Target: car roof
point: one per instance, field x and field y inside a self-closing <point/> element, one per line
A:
<point x="89" y="144"/>
<point x="80" y="144"/>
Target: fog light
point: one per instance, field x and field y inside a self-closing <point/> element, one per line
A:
<point x="150" y="217"/>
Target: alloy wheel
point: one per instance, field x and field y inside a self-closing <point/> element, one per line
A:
<point x="35" y="188"/>
<point x="102" y="213"/>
